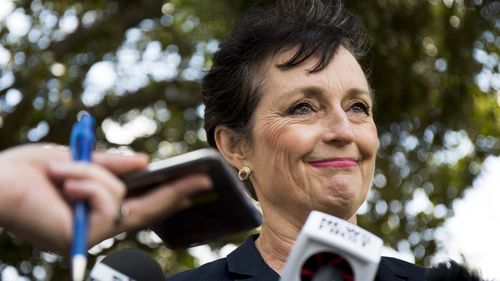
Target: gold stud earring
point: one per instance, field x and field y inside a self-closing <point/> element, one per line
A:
<point x="244" y="173"/>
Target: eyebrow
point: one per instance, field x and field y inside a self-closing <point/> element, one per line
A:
<point x="314" y="90"/>
<point x="361" y="92"/>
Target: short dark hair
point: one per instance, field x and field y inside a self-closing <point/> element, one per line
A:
<point x="316" y="28"/>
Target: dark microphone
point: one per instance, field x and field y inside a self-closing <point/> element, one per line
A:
<point x="332" y="249"/>
<point x="127" y="265"/>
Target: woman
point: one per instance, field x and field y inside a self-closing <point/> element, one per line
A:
<point x="289" y="106"/>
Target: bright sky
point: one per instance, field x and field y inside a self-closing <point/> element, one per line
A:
<point x="474" y="230"/>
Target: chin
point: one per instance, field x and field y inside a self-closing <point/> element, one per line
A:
<point x="344" y="209"/>
<point x="340" y="198"/>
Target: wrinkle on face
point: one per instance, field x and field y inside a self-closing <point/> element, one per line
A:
<point x="273" y="131"/>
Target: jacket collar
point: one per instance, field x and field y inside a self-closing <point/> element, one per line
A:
<point x="389" y="271"/>
<point x="246" y="263"/>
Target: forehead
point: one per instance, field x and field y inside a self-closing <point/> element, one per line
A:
<point x="342" y="73"/>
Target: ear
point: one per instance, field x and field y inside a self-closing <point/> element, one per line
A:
<point x="232" y="146"/>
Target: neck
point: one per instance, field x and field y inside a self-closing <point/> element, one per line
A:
<point x="277" y="238"/>
<point x="275" y="245"/>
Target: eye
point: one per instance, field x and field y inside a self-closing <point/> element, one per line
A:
<point x="301" y="108"/>
<point x="361" y="107"/>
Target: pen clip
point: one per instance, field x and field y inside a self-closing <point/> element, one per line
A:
<point x="82" y="138"/>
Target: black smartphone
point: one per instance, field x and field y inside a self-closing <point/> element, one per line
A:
<point x="225" y="209"/>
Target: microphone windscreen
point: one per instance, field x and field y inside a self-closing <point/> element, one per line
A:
<point x="326" y="266"/>
<point x="127" y="265"/>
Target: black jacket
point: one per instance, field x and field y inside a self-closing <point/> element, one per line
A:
<point x="245" y="263"/>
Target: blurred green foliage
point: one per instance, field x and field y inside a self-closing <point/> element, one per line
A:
<point x="136" y="65"/>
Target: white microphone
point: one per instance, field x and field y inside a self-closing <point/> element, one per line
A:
<point x="332" y="249"/>
<point x="127" y="265"/>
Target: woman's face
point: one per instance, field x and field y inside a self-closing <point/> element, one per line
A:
<point x="314" y="141"/>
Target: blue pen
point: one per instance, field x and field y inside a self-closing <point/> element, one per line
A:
<point x="81" y="145"/>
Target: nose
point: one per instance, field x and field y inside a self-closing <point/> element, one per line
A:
<point x="338" y="128"/>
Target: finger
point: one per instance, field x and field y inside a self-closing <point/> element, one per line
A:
<point x="103" y="207"/>
<point x="83" y="190"/>
<point x="117" y="162"/>
<point x="77" y="170"/>
<point x="189" y="185"/>
<point x="36" y="154"/>
<point x="102" y="203"/>
<point x="121" y="163"/>
<point x="164" y="201"/>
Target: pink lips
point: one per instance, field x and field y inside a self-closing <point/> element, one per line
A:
<point x="335" y="163"/>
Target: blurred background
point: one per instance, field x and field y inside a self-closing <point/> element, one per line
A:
<point x="136" y="66"/>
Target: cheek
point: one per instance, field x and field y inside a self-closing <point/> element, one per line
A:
<point x="278" y="149"/>
<point x="269" y="151"/>
<point x="272" y="135"/>
<point x="285" y="139"/>
<point x="367" y="141"/>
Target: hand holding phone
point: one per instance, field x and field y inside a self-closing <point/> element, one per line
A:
<point x="224" y="210"/>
